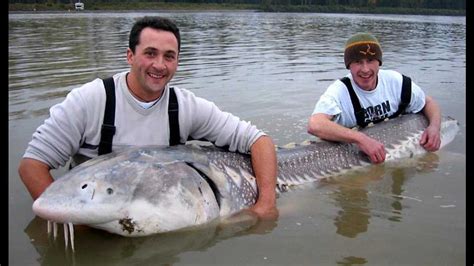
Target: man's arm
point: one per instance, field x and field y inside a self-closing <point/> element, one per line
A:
<point x="264" y="165"/>
<point x="321" y="126"/>
<point x="35" y="175"/>
<point x="431" y="139"/>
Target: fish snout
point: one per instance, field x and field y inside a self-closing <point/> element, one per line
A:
<point x="44" y="209"/>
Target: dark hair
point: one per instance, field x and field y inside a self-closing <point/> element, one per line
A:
<point x="158" y="23"/>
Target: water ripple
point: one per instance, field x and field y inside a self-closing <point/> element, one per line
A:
<point x="251" y="54"/>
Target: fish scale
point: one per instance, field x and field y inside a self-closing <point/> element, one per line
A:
<point x="149" y="190"/>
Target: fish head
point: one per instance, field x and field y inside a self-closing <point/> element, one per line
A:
<point x="82" y="196"/>
<point x="131" y="194"/>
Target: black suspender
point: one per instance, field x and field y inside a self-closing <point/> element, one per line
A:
<point x="173" y="118"/>
<point x="405" y="98"/>
<point x="108" y="128"/>
<point x="359" y="112"/>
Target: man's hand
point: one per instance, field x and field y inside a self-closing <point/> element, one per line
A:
<point x="265" y="211"/>
<point x="264" y="164"/>
<point x="374" y="149"/>
<point x="322" y="126"/>
<point x="431" y="139"/>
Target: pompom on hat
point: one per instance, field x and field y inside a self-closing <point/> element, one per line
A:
<point x="362" y="45"/>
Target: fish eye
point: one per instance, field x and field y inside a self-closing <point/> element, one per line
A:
<point x="84" y="186"/>
<point x="110" y="191"/>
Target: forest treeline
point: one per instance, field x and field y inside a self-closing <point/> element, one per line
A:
<point x="407" y="6"/>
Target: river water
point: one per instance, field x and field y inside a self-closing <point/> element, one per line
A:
<point x="270" y="69"/>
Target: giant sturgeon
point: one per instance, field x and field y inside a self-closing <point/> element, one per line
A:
<point x="149" y="190"/>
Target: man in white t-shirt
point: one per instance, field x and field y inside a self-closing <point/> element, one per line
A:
<point x="374" y="95"/>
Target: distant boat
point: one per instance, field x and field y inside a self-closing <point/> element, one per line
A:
<point x="79" y="6"/>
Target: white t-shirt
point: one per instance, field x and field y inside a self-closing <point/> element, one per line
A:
<point x="379" y="103"/>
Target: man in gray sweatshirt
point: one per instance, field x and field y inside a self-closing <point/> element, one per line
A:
<point x="142" y="94"/>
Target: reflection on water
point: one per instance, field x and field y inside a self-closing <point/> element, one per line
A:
<point x="96" y="247"/>
<point x="270" y="69"/>
<point x="375" y="192"/>
<point x="352" y="261"/>
<point x="372" y="193"/>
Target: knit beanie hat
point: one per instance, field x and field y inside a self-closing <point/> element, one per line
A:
<point x="362" y="45"/>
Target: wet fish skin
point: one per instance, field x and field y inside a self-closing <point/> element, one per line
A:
<point x="319" y="159"/>
<point x="148" y="190"/>
<point x="137" y="192"/>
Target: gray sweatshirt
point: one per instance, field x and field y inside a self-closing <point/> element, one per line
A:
<point x="73" y="127"/>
